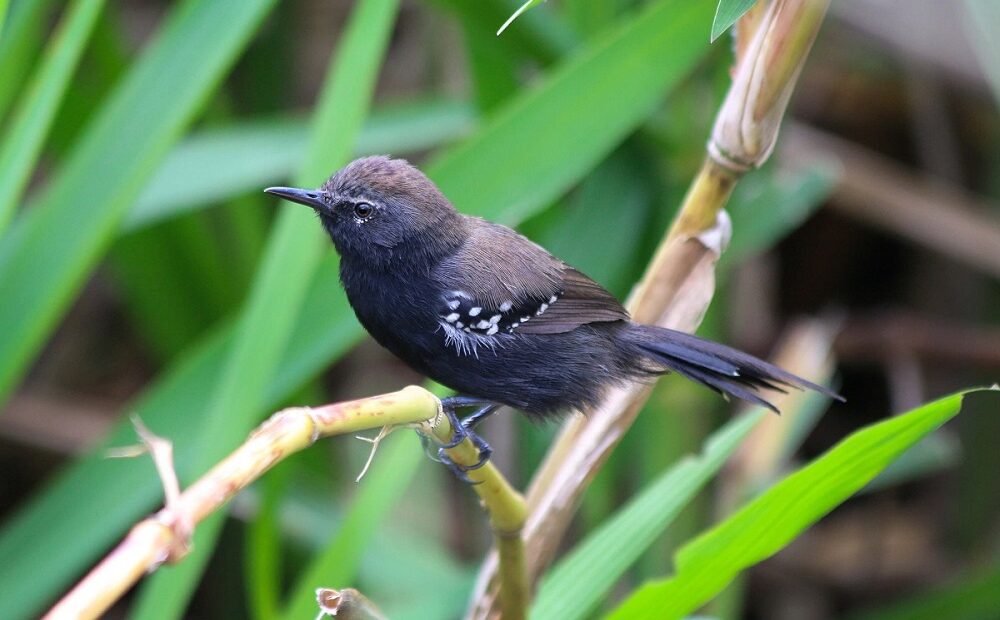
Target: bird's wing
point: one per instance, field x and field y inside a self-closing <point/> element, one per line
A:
<point x="500" y="282"/>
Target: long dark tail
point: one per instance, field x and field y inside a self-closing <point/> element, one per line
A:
<point x="717" y="366"/>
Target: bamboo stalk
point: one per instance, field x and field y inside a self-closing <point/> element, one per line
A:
<point x="164" y="537"/>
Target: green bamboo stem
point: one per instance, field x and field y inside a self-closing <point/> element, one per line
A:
<point x="164" y="537"/>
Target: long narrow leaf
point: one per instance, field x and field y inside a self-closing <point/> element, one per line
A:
<point x="20" y="42"/>
<point x="3" y="14"/>
<point x="579" y="582"/>
<point x="727" y="13"/>
<point x="49" y="251"/>
<point x="23" y="140"/>
<point x="759" y="530"/>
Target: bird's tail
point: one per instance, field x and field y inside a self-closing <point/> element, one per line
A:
<point x="717" y="366"/>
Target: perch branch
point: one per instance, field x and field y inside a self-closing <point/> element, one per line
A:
<point x="164" y="536"/>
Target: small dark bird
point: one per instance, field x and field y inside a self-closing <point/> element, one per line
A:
<point x="483" y="310"/>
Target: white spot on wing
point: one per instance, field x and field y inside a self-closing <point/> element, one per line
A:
<point x="454" y="304"/>
<point x="451" y="318"/>
<point x="475" y="311"/>
<point x="505" y="306"/>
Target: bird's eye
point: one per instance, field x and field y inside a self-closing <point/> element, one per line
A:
<point x="363" y="210"/>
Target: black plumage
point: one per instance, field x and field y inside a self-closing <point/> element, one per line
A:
<point x="490" y="314"/>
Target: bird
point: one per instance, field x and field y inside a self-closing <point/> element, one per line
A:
<point x="485" y="311"/>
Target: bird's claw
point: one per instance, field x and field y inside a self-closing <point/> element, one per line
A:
<point x="460" y="471"/>
<point x="461" y="431"/>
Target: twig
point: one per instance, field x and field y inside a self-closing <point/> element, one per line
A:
<point x="163" y="537"/>
<point x="154" y="540"/>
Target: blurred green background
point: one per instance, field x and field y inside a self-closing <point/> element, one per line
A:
<point x="143" y="270"/>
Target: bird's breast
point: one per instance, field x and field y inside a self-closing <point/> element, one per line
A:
<point x="394" y="310"/>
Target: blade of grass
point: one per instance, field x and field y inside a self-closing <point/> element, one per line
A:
<point x="539" y="34"/>
<point x="581" y="580"/>
<point x="262" y="551"/>
<point x="51" y="248"/>
<point x="20" y="42"/>
<point x="641" y="58"/>
<point x="294" y="249"/>
<point x="181" y="278"/>
<point x="217" y="164"/>
<point x="727" y="13"/>
<point x="106" y="59"/>
<point x="764" y="526"/>
<point x="23" y="139"/>
<point x="3" y="14"/>
<point x="165" y="303"/>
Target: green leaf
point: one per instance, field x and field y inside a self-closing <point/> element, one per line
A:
<point x="640" y="59"/>
<point x="585" y="110"/>
<point x="217" y="164"/>
<point x="521" y="9"/>
<point x="539" y="35"/>
<point x="727" y="13"/>
<point x="262" y="550"/>
<point x="23" y="139"/>
<point x="707" y="564"/>
<point x="294" y="250"/>
<point x="20" y="42"/>
<point x="48" y="252"/>
<point x="585" y="576"/>
<point x="936" y="452"/>
<point x="3" y="14"/>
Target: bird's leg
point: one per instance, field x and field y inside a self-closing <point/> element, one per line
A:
<point x="462" y="429"/>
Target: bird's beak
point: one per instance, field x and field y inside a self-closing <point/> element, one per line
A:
<point x="308" y="197"/>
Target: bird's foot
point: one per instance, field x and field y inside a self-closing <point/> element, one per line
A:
<point x="463" y="429"/>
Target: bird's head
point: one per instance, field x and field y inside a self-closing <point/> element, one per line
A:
<point x="381" y="211"/>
